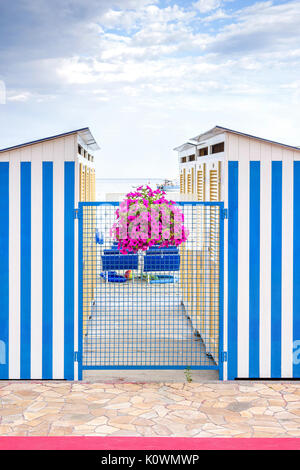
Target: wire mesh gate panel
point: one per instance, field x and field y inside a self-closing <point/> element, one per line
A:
<point x="156" y="309"/>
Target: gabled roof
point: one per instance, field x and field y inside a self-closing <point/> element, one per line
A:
<point x="220" y="130"/>
<point x="84" y="133"/>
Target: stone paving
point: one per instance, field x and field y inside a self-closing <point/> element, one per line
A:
<point x="232" y="409"/>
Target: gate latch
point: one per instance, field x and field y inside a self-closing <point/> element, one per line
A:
<point x="75" y="356"/>
<point x="224" y="356"/>
<point x="76" y="213"/>
<point x="225" y="214"/>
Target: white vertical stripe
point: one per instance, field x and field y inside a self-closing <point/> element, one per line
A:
<point x="277" y="153"/>
<point x="70" y="151"/>
<point x="14" y="267"/>
<point x="25" y="154"/>
<point x="48" y="150"/>
<point x="76" y="268"/>
<point x="287" y="265"/>
<point x="58" y="260"/>
<point x="254" y="150"/>
<point x="36" y="263"/>
<point x="233" y="147"/>
<point x="265" y="263"/>
<point x="243" y="260"/>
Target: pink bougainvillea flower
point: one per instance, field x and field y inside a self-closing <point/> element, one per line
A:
<point x="146" y="218"/>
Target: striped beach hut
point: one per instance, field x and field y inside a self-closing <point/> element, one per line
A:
<point x="259" y="182"/>
<point x="41" y="183"/>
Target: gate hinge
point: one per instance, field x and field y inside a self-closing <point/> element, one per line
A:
<point x="75" y="356"/>
<point x="225" y="214"/>
<point x="76" y="213"/>
<point x="224" y="356"/>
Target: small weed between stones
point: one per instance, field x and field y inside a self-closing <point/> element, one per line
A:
<point x="188" y="374"/>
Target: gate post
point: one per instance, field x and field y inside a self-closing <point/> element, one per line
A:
<point x="80" y="289"/>
<point x="222" y="354"/>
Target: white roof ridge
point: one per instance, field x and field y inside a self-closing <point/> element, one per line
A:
<point x="84" y="133"/>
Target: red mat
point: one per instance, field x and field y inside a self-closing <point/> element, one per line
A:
<point x="145" y="443"/>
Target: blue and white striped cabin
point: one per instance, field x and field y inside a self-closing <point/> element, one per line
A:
<point x="259" y="182"/>
<point x="40" y="185"/>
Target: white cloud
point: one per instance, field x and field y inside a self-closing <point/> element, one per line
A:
<point x="165" y="54"/>
<point x="140" y="18"/>
<point x="75" y="71"/>
<point x="20" y="97"/>
<point x="26" y="96"/>
<point x="2" y="92"/>
<point x="219" y="14"/>
<point x="293" y="85"/>
<point x="204" y="6"/>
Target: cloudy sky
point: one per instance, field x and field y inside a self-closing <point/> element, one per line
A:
<point x="146" y="75"/>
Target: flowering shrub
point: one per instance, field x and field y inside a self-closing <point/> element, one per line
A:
<point x="146" y="218"/>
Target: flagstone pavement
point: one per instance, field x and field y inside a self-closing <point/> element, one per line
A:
<point x="232" y="409"/>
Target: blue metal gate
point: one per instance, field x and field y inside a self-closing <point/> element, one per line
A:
<point x="159" y="309"/>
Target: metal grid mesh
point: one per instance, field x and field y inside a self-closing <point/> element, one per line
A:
<point x="168" y="314"/>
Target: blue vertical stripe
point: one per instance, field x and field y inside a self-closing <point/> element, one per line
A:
<point x="233" y="181"/>
<point x="25" y="294"/>
<point x="4" y="269"/>
<point x="69" y="270"/>
<point x="47" y="267"/>
<point x="80" y="290"/>
<point x="254" y="269"/>
<point x="276" y="242"/>
<point x="296" y="281"/>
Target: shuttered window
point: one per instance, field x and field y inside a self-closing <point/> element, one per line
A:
<point x="189" y="183"/>
<point x="93" y="185"/>
<point x="215" y="183"/>
<point x="203" y="152"/>
<point x="181" y="183"/>
<point x="215" y="195"/>
<point x="87" y="184"/>
<point x="214" y="246"/>
<point x="201" y="183"/>
<point x="217" y="148"/>
<point x="82" y="182"/>
<point x="193" y="180"/>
